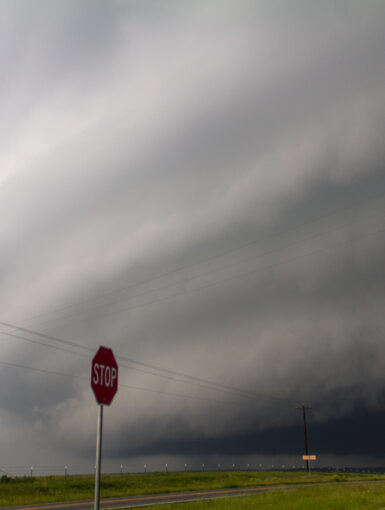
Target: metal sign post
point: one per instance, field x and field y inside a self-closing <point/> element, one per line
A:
<point x="98" y="464"/>
<point x="104" y="382"/>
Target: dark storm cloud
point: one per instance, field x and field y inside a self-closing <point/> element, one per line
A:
<point x="132" y="147"/>
<point x="364" y="431"/>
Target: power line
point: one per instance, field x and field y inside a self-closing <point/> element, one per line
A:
<point x="188" y="377"/>
<point x="136" y="369"/>
<point x="192" y="381"/>
<point x="224" y="280"/>
<point x="213" y="257"/>
<point x="214" y="384"/>
<point x="215" y="270"/>
<point x="171" y="372"/>
<point x="184" y="381"/>
<point x="179" y="395"/>
<point x="131" y="387"/>
<point x="19" y="337"/>
<point x="41" y="370"/>
<point x="44" y="335"/>
<point x="191" y="278"/>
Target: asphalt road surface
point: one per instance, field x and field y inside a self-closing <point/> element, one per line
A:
<point x="149" y="500"/>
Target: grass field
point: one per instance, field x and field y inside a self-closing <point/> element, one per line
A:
<point x="362" y="497"/>
<point x="26" y="490"/>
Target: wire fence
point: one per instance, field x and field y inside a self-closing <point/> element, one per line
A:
<point x="120" y="469"/>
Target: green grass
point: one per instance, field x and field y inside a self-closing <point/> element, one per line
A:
<point x="26" y="490"/>
<point x="342" y="497"/>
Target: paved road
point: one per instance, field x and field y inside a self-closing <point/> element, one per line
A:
<point x="175" y="497"/>
<point x="143" y="501"/>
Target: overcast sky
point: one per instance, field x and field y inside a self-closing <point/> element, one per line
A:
<point x="199" y="186"/>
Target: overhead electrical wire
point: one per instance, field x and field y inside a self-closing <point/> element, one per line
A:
<point x="207" y="259"/>
<point x="128" y="386"/>
<point x="40" y="370"/>
<point x="147" y="372"/>
<point x="224" y="280"/>
<point x="171" y="374"/>
<point x="164" y="370"/>
<point x="164" y="376"/>
<point x="37" y="342"/>
<point x="194" y="380"/>
<point x="240" y="391"/>
<point x="44" y="335"/>
<point x="208" y="273"/>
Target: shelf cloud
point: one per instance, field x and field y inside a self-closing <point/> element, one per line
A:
<point x="201" y="188"/>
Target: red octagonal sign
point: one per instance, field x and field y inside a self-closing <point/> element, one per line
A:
<point x="104" y="376"/>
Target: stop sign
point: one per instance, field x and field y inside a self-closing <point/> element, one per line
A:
<point x="104" y="376"/>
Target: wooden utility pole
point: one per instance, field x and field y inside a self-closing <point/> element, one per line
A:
<point x="304" y="408"/>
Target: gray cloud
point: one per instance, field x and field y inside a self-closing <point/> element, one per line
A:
<point x="137" y="139"/>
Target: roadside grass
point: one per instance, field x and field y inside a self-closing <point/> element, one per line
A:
<point x="365" y="496"/>
<point x="47" y="489"/>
